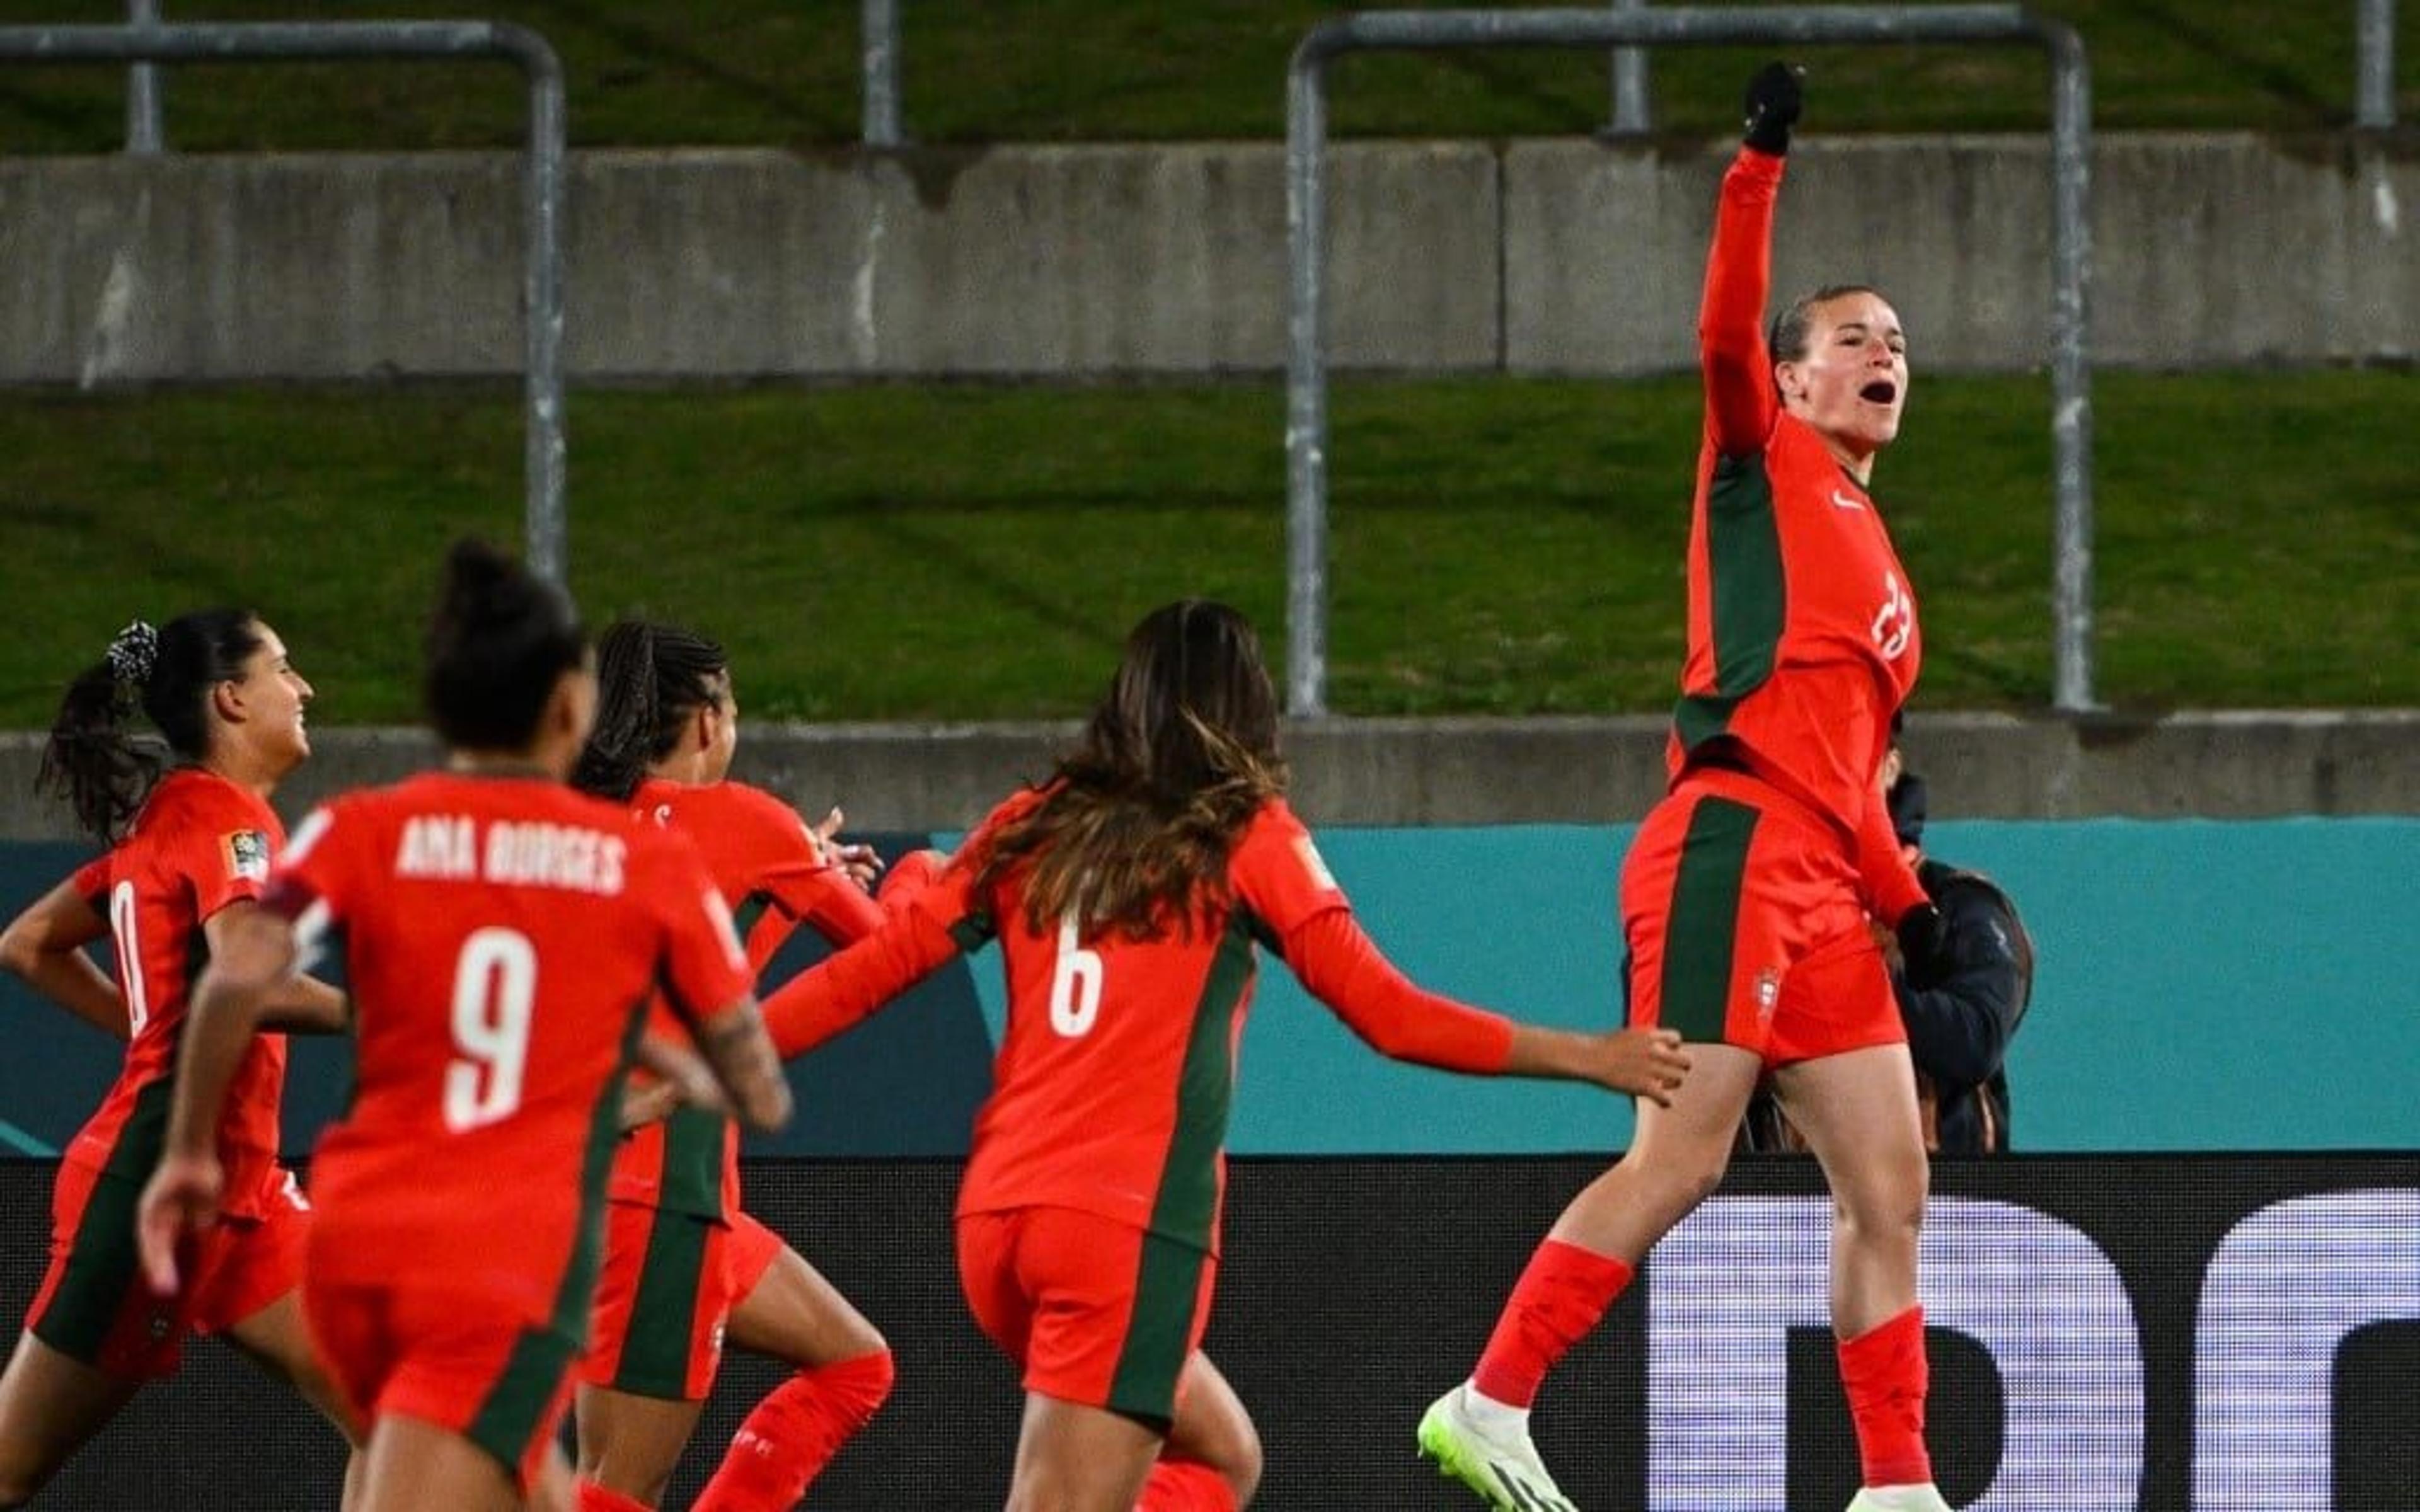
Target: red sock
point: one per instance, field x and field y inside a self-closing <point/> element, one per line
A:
<point x="1560" y="1297"/>
<point x="1185" y="1485"/>
<point x="595" y="1498"/>
<point x="794" y="1433"/>
<point x="1884" y="1371"/>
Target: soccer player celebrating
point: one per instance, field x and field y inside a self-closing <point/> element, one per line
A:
<point x="682" y="1262"/>
<point x="171" y="890"/>
<point x="1129" y="893"/>
<point x="501" y="933"/>
<point x="1746" y="897"/>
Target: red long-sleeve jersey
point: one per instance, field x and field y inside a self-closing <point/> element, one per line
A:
<point x="1803" y="635"/>
<point x="774" y="877"/>
<point x="1112" y="1083"/>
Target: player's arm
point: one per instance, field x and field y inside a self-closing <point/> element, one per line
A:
<point x="1343" y="968"/>
<point x="252" y="952"/>
<point x="1741" y="406"/>
<point x="736" y="1050"/>
<point x="44" y="946"/>
<point x="818" y="1003"/>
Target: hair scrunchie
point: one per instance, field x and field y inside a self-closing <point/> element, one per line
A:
<point x="133" y="652"/>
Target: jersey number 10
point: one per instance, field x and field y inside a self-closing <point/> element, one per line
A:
<point x="495" y="987"/>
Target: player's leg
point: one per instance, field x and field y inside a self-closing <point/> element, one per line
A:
<point x="1212" y="1460"/>
<point x="788" y="1309"/>
<point x="655" y="1343"/>
<point x="1854" y="1100"/>
<point x="49" y="1405"/>
<point x="411" y="1466"/>
<point x="1699" y="930"/>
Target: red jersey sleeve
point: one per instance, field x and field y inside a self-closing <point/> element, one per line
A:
<point x="1278" y="873"/>
<point x="702" y="969"/>
<point x="1741" y="406"/>
<point x="792" y="871"/>
<point x="309" y="880"/>
<point x="227" y="848"/>
<point x="91" y="884"/>
<point x="1889" y="880"/>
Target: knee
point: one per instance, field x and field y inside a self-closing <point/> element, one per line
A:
<point x="1242" y="1473"/>
<point x="1888" y="1211"/>
<point x="857" y="1388"/>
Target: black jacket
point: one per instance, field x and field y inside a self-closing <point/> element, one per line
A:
<point x="1959" y="1030"/>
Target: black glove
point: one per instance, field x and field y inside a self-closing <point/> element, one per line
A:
<point x="1773" y="103"/>
<point x="1923" y="946"/>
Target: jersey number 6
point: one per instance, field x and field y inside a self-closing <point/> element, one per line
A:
<point x="495" y="985"/>
<point x="1075" y="985"/>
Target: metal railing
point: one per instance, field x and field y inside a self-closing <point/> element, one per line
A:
<point x="878" y="36"/>
<point x="2374" y="65"/>
<point x="1307" y="433"/>
<point x="542" y="179"/>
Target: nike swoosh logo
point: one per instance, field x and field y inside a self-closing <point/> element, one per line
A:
<point x="1842" y="500"/>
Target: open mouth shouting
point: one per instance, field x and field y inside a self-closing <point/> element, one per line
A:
<point x="1881" y="391"/>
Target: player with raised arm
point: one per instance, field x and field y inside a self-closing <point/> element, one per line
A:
<point x="683" y="1263"/>
<point x="1130" y="894"/>
<point x="1746" y="897"/>
<point x="189" y="854"/>
<point x="502" y="934"/>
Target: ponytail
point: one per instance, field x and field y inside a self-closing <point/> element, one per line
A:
<point x="94" y="759"/>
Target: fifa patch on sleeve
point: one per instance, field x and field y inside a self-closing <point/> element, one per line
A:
<point x="1314" y="864"/>
<point x="247" y="853"/>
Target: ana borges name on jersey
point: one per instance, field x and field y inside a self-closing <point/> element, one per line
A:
<point x="452" y="848"/>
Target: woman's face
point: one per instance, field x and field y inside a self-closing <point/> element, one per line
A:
<point x="1853" y="382"/>
<point x="722" y="730"/>
<point x="269" y="696"/>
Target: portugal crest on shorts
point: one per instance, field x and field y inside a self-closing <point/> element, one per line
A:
<point x="1768" y="992"/>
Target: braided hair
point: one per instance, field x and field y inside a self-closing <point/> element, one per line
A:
<point x="650" y="679"/>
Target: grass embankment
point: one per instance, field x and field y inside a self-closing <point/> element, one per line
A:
<point x="1500" y="547"/>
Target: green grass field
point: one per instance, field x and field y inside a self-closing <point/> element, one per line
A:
<point x="1500" y="546"/>
<point x="786" y="72"/>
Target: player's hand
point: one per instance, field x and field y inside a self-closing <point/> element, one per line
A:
<point x="681" y="1079"/>
<point x="1648" y="1063"/>
<point x="182" y="1198"/>
<point x="1923" y="946"/>
<point x="859" y="861"/>
<point x="1774" y="99"/>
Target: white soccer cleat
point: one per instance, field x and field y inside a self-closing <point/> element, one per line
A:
<point x="1923" y="1497"/>
<point x="1500" y="1464"/>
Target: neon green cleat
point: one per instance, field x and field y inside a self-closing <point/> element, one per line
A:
<point x="1900" y="1499"/>
<point x="1501" y="1466"/>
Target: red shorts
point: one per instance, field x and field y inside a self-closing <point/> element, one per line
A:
<point x="1747" y="927"/>
<point x="1098" y="1312"/>
<point x="669" y="1283"/>
<point x="94" y="1305"/>
<point x="448" y="1357"/>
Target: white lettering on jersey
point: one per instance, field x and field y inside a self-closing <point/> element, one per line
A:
<point x="443" y="846"/>
<point x="1894" y="622"/>
<point x="553" y="855"/>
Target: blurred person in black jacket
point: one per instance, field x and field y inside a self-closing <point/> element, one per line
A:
<point x="1958" y="1030"/>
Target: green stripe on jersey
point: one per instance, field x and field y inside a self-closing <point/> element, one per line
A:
<point x="1159" y="1333"/>
<point x="1700" y="935"/>
<point x="654" y="1348"/>
<point x="1750" y="596"/>
<point x="1205" y="1087"/>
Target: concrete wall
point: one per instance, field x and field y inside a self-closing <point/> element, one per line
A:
<point x="1417" y="772"/>
<point x="1541" y="256"/>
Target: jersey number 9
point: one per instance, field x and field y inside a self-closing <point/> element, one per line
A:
<point x="495" y="986"/>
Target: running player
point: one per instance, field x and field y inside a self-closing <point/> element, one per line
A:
<point x="170" y="889"/>
<point x="682" y="1262"/>
<point x="1129" y="893"/>
<point x="1746" y="897"/>
<point x="502" y="933"/>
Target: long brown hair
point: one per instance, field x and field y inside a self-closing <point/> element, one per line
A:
<point x="95" y="759"/>
<point x="1178" y="756"/>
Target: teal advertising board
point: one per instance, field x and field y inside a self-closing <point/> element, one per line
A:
<point x="2203" y="986"/>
